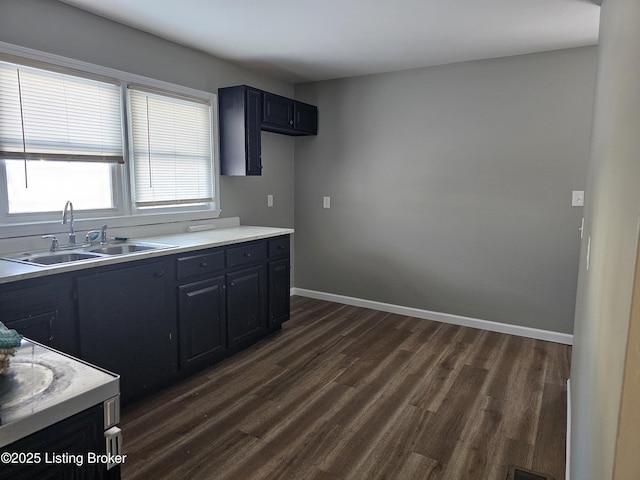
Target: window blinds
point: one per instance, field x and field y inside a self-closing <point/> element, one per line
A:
<point x="47" y="115"/>
<point x="171" y="149"/>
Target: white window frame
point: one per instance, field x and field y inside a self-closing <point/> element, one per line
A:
<point x="125" y="213"/>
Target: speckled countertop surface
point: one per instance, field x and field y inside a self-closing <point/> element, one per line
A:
<point x="43" y="387"/>
<point x="11" y="271"/>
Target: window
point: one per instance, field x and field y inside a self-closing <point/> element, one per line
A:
<point x="171" y="149"/>
<point x="57" y="135"/>
<point x="116" y="144"/>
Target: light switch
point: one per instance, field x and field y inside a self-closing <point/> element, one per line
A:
<point x="577" y="198"/>
<point x="269" y="200"/>
<point x="326" y="202"/>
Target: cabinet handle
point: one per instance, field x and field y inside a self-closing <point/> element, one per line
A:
<point x="158" y="274"/>
<point x="248" y="255"/>
<point x="233" y="284"/>
<point x="280" y="247"/>
<point x="203" y="264"/>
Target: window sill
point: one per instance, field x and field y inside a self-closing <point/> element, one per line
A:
<point x="117" y="222"/>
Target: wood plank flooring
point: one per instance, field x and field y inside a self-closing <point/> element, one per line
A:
<point x="349" y="393"/>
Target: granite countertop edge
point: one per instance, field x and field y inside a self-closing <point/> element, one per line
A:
<point x="107" y="385"/>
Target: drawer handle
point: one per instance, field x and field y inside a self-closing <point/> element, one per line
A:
<point x="158" y="274"/>
<point x="233" y="284"/>
<point x="203" y="264"/>
<point x="248" y="255"/>
<point x="280" y="247"/>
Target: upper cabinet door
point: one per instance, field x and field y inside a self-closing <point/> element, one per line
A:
<point x="284" y="115"/>
<point x="305" y="118"/>
<point x="252" y="132"/>
<point x="240" y="117"/>
<point x="277" y="112"/>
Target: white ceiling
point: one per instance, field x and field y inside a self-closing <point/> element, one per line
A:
<point x="307" y="40"/>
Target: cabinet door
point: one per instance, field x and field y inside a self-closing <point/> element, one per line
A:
<point x="252" y="129"/>
<point x="279" y="292"/>
<point x="246" y="304"/>
<point x="202" y="321"/>
<point x="36" y="327"/>
<point x="277" y="112"/>
<point x="42" y="310"/>
<point x="240" y="115"/>
<point x="75" y="436"/>
<point x="127" y="327"/>
<point x="305" y="118"/>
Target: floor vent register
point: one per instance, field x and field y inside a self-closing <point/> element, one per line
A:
<point x="519" y="473"/>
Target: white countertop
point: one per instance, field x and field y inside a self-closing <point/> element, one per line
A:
<point x="43" y="387"/>
<point x="11" y="271"/>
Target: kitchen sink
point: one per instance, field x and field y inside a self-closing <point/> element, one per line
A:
<point x="124" y="248"/>
<point x="55" y="258"/>
<point x="83" y="253"/>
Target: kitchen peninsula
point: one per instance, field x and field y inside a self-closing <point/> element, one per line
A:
<point x="53" y="404"/>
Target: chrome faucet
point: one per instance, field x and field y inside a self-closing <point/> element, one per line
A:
<point x="68" y="207"/>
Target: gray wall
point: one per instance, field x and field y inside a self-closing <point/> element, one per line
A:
<point x="54" y="27"/>
<point x="611" y="222"/>
<point x="450" y="187"/>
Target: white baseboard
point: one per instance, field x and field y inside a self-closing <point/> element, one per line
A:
<point x="557" y="337"/>
<point x="567" y="475"/>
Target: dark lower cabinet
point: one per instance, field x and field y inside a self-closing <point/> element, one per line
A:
<point x="279" y="292"/>
<point x="76" y="436"/>
<point x="202" y="321"/>
<point x="42" y="310"/>
<point x="246" y="304"/>
<point x="128" y="326"/>
<point x="38" y="327"/>
<point x="154" y="321"/>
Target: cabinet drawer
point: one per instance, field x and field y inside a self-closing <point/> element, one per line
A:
<point x="245" y="254"/>
<point x="27" y="301"/>
<point x="200" y="264"/>
<point x="279" y="246"/>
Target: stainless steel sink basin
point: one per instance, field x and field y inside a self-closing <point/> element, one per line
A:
<point x="123" y="248"/>
<point x="55" y="258"/>
<point x="83" y="253"/>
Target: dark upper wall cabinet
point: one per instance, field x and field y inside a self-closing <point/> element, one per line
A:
<point x="305" y="118"/>
<point x="240" y="112"/>
<point x="287" y="116"/>
<point x="277" y="113"/>
<point x="244" y="112"/>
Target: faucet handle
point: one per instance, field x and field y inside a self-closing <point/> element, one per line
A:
<point x="54" y="242"/>
<point x="91" y="236"/>
<point x="103" y="234"/>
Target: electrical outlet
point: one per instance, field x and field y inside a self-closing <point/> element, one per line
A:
<point x="326" y="202"/>
<point x="269" y="200"/>
<point x="577" y="198"/>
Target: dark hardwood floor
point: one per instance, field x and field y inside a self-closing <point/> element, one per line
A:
<point x="348" y="393"/>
